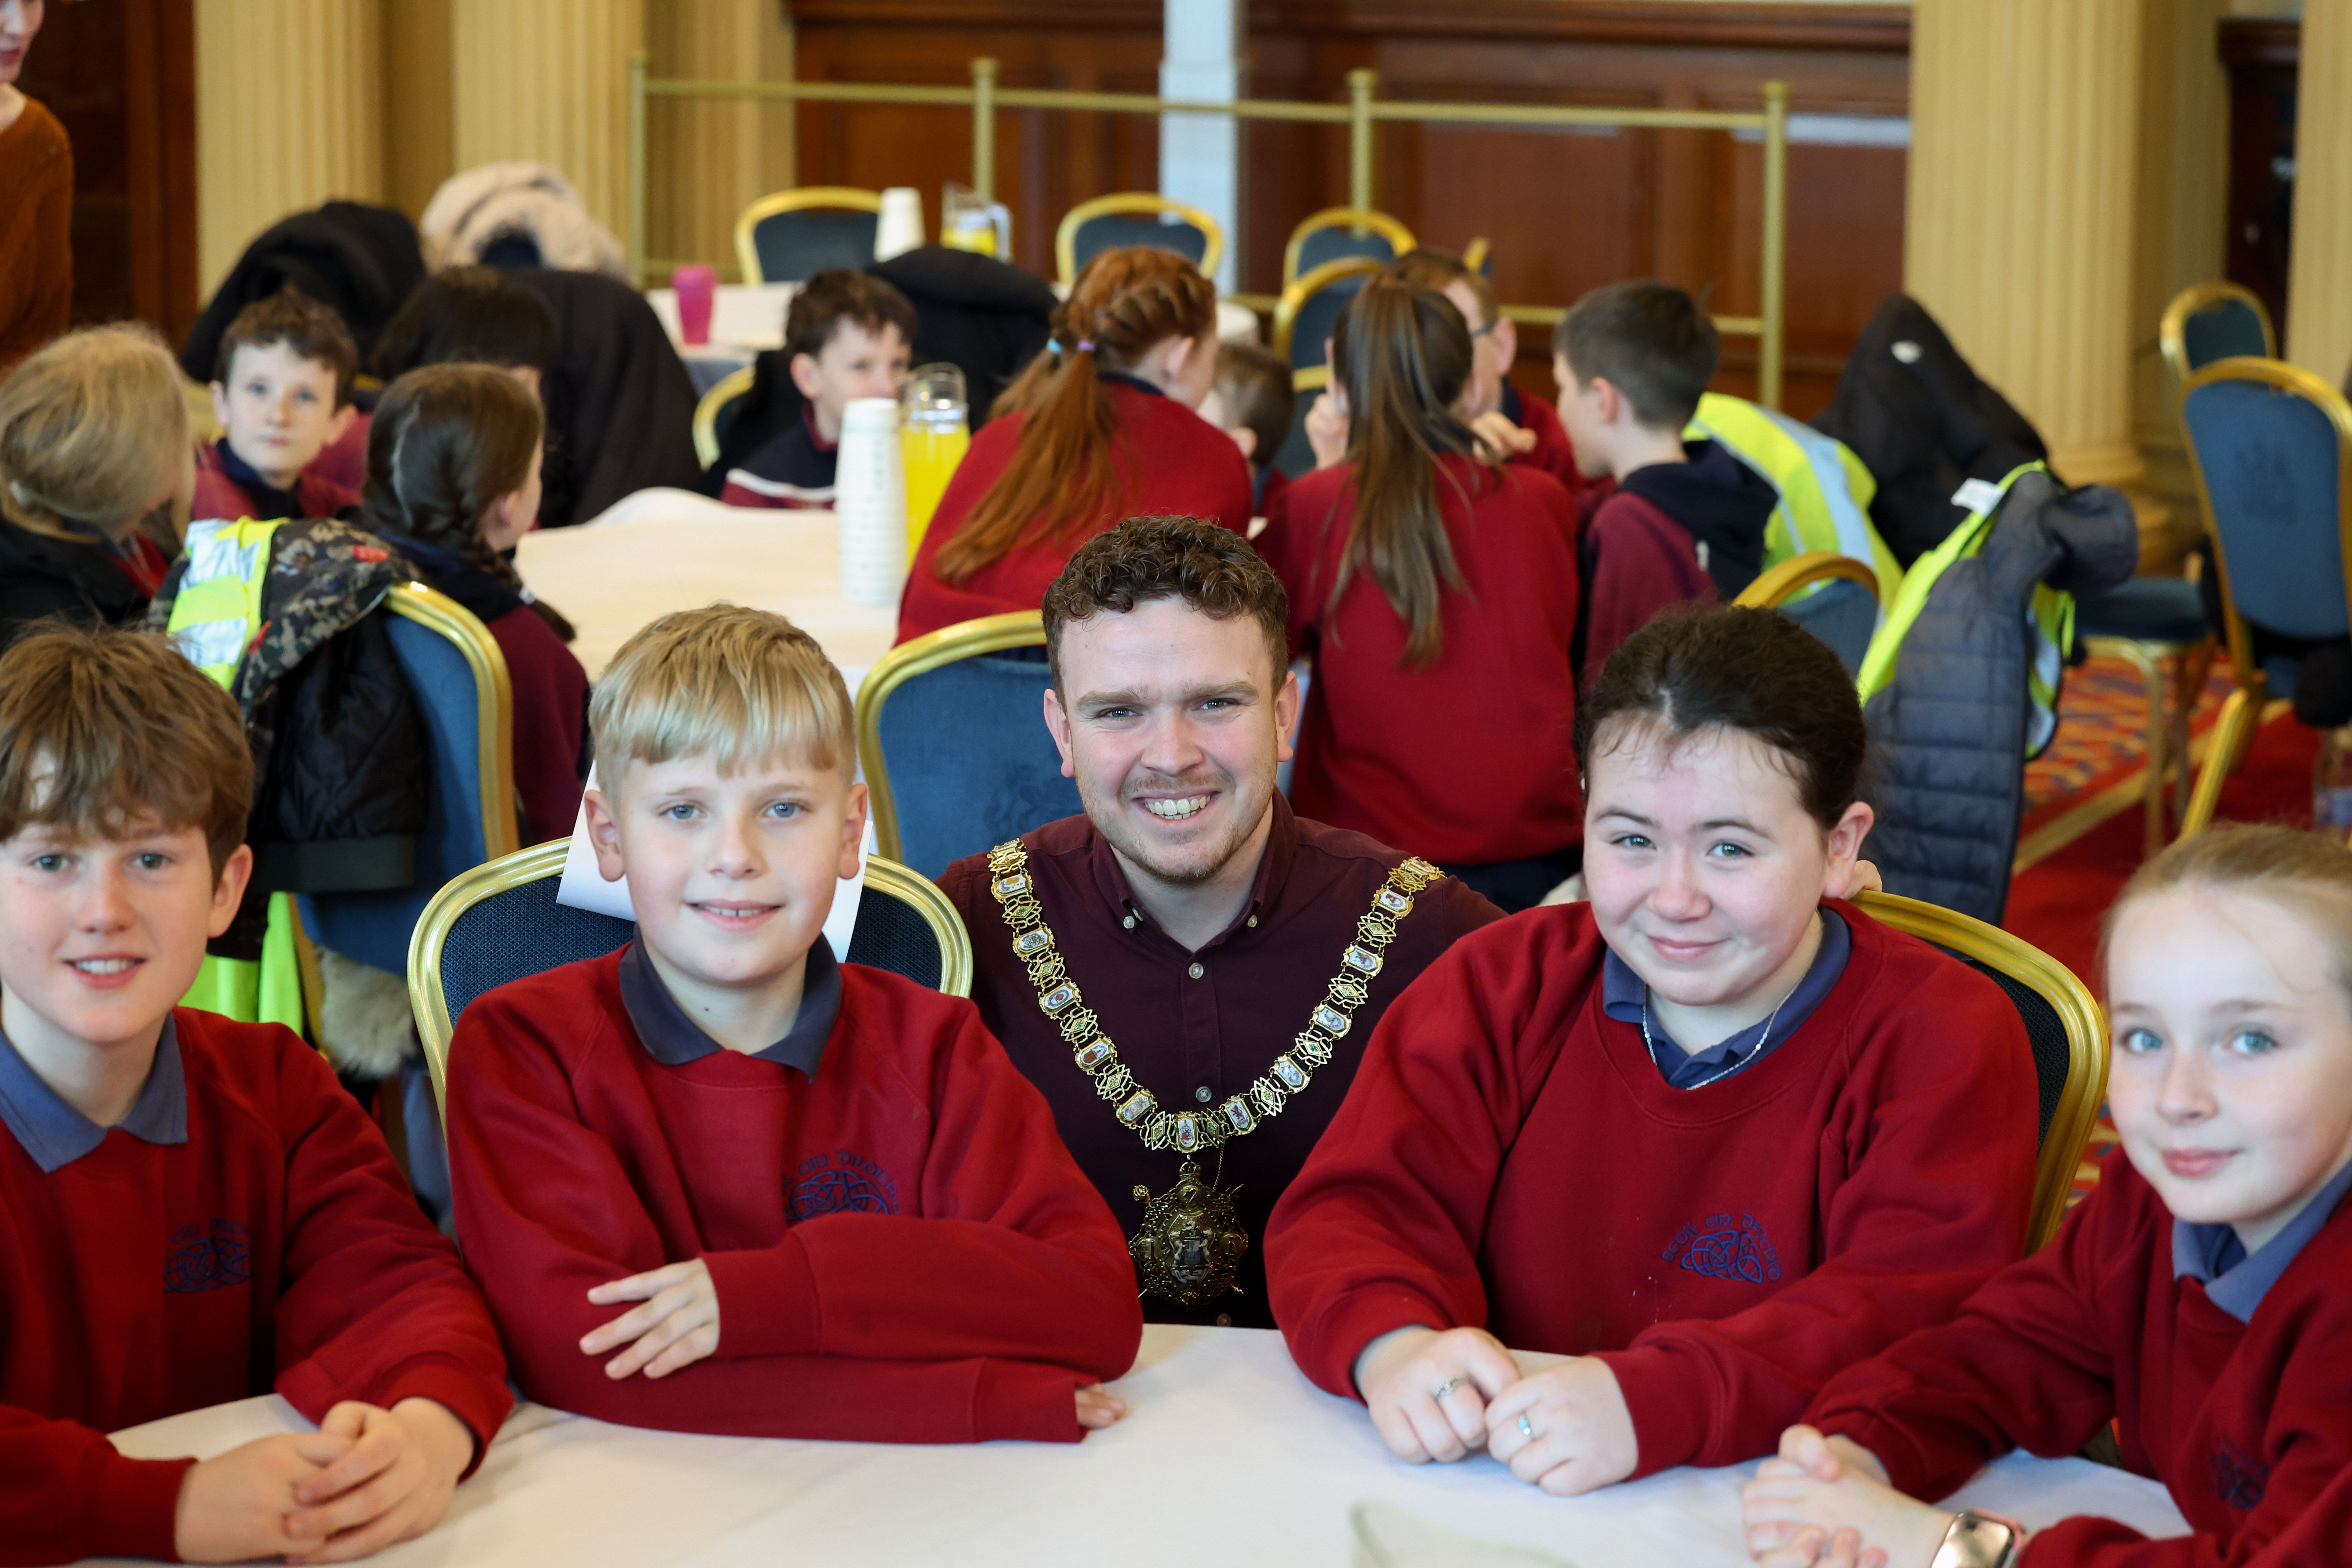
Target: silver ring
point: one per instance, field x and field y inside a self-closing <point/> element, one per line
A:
<point x="1448" y="1386"/>
<point x="1527" y="1427"/>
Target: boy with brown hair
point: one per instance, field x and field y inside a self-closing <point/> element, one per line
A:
<point x="848" y="336"/>
<point x="1251" y="400"/>
<point x="197" y="1211"/>
<point x="718" y="1181"/>
<point x="1687" y="519"/>
<point x="283" y="394"/>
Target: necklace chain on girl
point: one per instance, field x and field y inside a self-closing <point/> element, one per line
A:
<point x="1736" y="1062"/>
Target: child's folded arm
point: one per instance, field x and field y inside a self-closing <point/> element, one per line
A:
<point x="2304" y="1521"/>
<point x="1015" y="1255"/>
<point x="68" y="1494"/>
<point x="1935" y="1204"/>
<point x="377" y="1306"/>
<point x="1381" y="1229"/>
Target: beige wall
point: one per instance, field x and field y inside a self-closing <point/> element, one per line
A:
<point x="2319" y="291"/>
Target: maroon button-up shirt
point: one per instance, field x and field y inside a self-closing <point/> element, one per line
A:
<point x="1181" y="1034"/>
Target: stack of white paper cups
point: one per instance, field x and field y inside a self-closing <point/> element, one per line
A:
<point x="869" y="502"/>
<point x="900" y="227"/>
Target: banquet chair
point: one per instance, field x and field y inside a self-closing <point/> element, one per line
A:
<point x="1135" y="217"/>
<point x="1297" y="454"/>
<point x="1834" y="597"/>
<point x="2270" y="445"/>
<point x="2210" y="322"/>
<point x="2063" y="1026"/>
<point x="1303" y="317"/>
<point x="1337" y="232"/>
<point x="2153" y="622"/>
<point x="459" y="678"/>
<point x="952" y="737"/>
<point x="711" y="414"/>
<point x="787" y="237"/>
<point x="500" y="922"/>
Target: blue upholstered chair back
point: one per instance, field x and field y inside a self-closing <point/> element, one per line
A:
<point x="2269" y="461"/>
<point x="792" y="246"/>
<point x="521" y="930"/>
<point x="1842" y="615"/>
<point x="1297" y="454"/>
<point x="374" y="928"/>
<point x="968" y="758"/>
<point x="1316" y="314"/>
<point x="1108" y="231"/>
<point x="2229" y="328"/>
<point x="1330" y="243"/>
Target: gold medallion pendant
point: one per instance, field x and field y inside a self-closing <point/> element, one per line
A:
<point x="1189" y="1244"/>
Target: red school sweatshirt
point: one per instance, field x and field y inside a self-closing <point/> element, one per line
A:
<point x="1166" y="461"/>
<point x="275" y="1247"/>
<point x="2249" y="1425"/>
<point x="902" y="1248"/>
<point x="1511" y="1158"/>
<point x="1637" y="561"/>
<point x="1474" y="758"/>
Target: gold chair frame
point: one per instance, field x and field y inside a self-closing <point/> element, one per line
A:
<point x="949" y="645"/>
<point x="1474" y="255"/>
<point x="2172" y="332"/>
<point x="2242" y="710"/>
<point x="540" y="861"/>
<point x="1293" y="298"/>
<point x="1775" y="585"/>
<point x="2061" y="1154"/>
<point x="1066" y="237"/>
<point x="1400" y="237"/>
<point x="724" y="390"/>
<point x="494" y="705"/>
<point x="840" y="198"/>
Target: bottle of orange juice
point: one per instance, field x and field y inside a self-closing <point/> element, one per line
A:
<point x="934" y="430"/>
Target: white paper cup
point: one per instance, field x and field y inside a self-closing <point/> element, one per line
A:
<point x="901" y="226"/>
<point x="869" y="502"/>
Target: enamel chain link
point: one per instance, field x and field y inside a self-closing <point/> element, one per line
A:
<point x="1192" y="1132"/>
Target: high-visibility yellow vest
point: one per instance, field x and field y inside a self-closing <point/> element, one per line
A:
<point x="1825" y="491"/>
<point x="215" y="617"/>
<point x="2050" y="614"/>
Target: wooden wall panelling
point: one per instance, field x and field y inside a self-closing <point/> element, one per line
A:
<point x="1565" y="211"/>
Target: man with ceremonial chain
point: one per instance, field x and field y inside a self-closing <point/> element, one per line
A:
<point x="1188" y="972"/>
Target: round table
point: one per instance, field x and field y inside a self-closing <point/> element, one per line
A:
<point x="1227" y="1457"/>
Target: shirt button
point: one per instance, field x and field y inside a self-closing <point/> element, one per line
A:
<point x="1129" y="922"/>
<point x="1196" y="971"/>
<point x="1201" y="1094"/>
<point x="1224" y="1320"/>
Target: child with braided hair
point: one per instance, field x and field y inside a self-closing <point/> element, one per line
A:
<point x="1101" y="427"/>
<point x="453" y="484"/>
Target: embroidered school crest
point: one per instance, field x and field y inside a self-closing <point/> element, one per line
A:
<point x="209" y="1256"/>
<point x="1725" y="1246"/>
<point x="2239" y="1478"/>
<point x="842" y="1183"/>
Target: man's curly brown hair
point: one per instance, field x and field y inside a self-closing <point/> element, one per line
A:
<point x="1212" y="569"/>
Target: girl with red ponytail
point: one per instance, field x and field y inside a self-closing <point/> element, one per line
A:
<point x="1099" y="427"/>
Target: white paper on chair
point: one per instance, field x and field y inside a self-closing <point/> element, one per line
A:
<point x="584" y="887"/>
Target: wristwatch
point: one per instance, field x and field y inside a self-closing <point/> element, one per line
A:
<point x="1979" y="1540"/>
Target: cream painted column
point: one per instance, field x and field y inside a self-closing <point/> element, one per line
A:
<point x="547" y="80"/>
<point x="289" y="114"/>
<point x="710" y="159"/>
<point x="2319" y="277"/>
<point x="2024" y="129"/>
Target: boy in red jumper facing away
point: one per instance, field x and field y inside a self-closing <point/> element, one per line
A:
<point x="2200" y="1298"/>
<point x="1688" y="519"/>
<point x="846" y="336"/>
<point x="718" y="1181"/>
<point x="282" y="396"/>
<point x="1715" y="1134"/>
<point x="192" y="1211"/>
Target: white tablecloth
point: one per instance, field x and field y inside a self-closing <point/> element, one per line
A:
<point x="1227" y="1457"/>
<point x="671" y="549"/>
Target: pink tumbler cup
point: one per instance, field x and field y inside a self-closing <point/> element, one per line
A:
<point x="697" y="287"/>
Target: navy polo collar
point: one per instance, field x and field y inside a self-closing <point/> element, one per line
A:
<point x="1623" y="994"/>
<point x="672" y="1039"/>
<point x="269" y="503"/>
<point x="56" y="1134"/>
<point x="2235" y="1281"/>
<point x="1120" y="378"/>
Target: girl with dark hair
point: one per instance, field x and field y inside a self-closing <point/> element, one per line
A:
<point x="1715" y="1135"/>
<point x="453" y="485"/>
<point x="1101" y="427"/>
<point x="1437" y="597"/>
